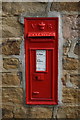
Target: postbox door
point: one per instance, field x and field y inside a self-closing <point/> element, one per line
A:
<point x="41" y="55"/>
<point x="41" y="74"/>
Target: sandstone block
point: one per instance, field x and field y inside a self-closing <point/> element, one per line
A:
<point x="75" y="22"/>
<point x="70" y="27"/>
<point x="1" y="65"/>
<point x="70" y="72"/>
<point x="70" y="64"/>
<point x="0" y="50"/>
<point x="61" y="112"/>
<point x="21" y="111"/>
<point x="78" y="22"/>
<point x="71" y="95"/>
<point x="16" y="8"/>
<point x="71" y="112"/>
<point x="0" y="96"/>
<point x="74" y="34"/>
<point x="10" y="63"/>
<point x="11" y="48"/>
<point x="8" y="31"/>
<point x="12" y="95"/>
<point x="7" y="111"/>
<point x="0" y="79"/>
<point x="70" y="79"/>
<point x="65" y="6"/>
<point x="28" y="7"/>
<point x="75" y="80"/>
<point x="40" y="112"/>
<point x="11" y="21"/>
<point x="66" y="26"/>
<point x="11" y="27"/>
<point x="10" y="79"/>
<point x="6" y="8"/>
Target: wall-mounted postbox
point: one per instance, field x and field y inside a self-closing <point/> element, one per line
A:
<point x="41" y="60"/>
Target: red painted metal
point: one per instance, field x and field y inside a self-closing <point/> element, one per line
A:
<point x="41" y="34"/>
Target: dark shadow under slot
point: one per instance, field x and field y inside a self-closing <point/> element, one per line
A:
<point x="41" y="37"/>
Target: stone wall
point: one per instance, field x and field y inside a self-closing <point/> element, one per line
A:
<point x="13" y="100"/>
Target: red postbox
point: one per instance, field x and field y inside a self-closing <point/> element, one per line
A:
<point x="41" y="60"/>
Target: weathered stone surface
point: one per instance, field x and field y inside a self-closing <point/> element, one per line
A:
<point x="0" y="50"/>
<point x="70" y="26"/>
<point x="68" y="112"/>
<point x="77" y="49"/>
<point x="71" y="95"/>
<point x="21" y="111"/>
<point x="1" y="111"/>
<point x="66" y="26"/>
<point x="73" y="112"/>
<point x="71" y="80"/>
<point x="65" y="6"/>
<point x="11" y="21"/>
<point x="8" y="31"/>
<point x="10" y="63"/>
<point x="75" y="80"/>
<point x="78" y="21"/>
<point x="0" y="44"/>
<point x="13" y="95"/>
<point x="71" y="51"/>
<point x="66" y="47"/>
<point x="75" y="22"/>
<point x="70" y="72"/>
<point x="0" y="79"/>
<point x="64" y="79"/>
<point x="7" y="111"/>
<point x="29" y="7"/>
<point x="11" y="27"/>
<point x="0" y="106"/>
<point x="74" y="34"/>
<point x="16" y="8"/>
<point x="0" y="96"/>
<point x="6" y="7"/>
<point x="70" y="64"/>
<point x="61" y="112"/>
<point x="65" y="50"/>
<point x="10" y="79"/>
<point x="11" y="48"/>
<point x="1" y="64"/>
<point x="40" y="112"/>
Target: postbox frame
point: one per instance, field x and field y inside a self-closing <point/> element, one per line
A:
<point x="27" y="66"/>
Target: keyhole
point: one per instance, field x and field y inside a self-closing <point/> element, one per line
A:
<point x="36" y="77"/>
